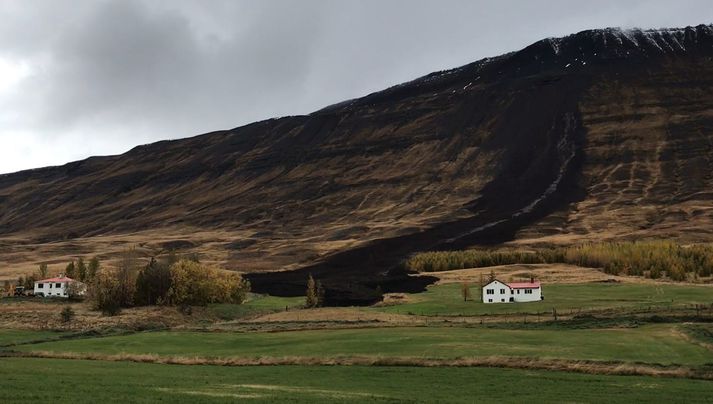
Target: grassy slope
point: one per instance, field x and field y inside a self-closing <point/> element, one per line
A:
<point x="651" y="344"/>
<point x="68" y="381"/>
<point x="447" y="300"/>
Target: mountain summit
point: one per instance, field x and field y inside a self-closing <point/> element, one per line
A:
<point x="604" y="134"/>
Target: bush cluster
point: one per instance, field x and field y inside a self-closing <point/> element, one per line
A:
<point x="174" y="282"/>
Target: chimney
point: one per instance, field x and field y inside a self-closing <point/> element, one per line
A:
<point x="532" y="279"/>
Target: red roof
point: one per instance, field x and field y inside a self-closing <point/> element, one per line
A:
<point x="524" y="285"/>
<point x="62" y="279"/>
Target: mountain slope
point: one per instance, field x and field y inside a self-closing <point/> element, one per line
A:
<point x="601" y="134"/>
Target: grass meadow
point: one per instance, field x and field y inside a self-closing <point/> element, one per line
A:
<point x="256" y="305"/>
<point x="13" y="337"/>
<point x="655" y="344"/>
<point x="596" y="354"/>
<point x="446" y="300"/>
<point x="76" y="381"/>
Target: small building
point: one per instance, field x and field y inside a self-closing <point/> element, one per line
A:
<point x="496" y="291"/>
<point x="59" y="287"/>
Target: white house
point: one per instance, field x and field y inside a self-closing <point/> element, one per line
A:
<point x="514" y="292"/>
<point x="58" y="287"/>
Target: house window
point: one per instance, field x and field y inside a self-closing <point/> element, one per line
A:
<point x="490" y="300"/>
<point x="528" y="291"/>
<point x="490" y="291"/>
<point x="518" y="291"/>
<point x="502" y="300"/>
<point x="50" y="286"/>
<point x="502" y="291"/>
<point x="40" y="285"/>
<point x="58" y="285"/>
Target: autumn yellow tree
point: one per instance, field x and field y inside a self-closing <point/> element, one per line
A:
<point x="105" y="292"/>
<point x="311" y="294"/>
<point x="196" y="284"/>
<point x="42" y="271"/>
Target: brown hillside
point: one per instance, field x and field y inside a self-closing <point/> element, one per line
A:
<point x="602" y="134"/>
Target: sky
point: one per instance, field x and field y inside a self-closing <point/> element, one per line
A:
<point x="97" y="77"/>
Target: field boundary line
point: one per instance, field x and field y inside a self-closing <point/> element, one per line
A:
<point x="577" y="366"/>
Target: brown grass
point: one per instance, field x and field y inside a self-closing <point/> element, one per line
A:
<point x="41" y="316"/>
<point x="579" y="366"/>
<point x="549" y="273"/>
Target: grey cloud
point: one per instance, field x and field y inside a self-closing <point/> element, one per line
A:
<point x="109" y="74"/>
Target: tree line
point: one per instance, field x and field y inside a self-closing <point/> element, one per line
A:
<point x="652" y="259"/>
<point x="169" y="281"/>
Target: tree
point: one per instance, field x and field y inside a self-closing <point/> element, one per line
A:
<point x="153" y="283"/>
<point x="193" y="283"/>
<point x="30" y="282"/>
<point x="81" y="269"/>
<point x="311" y="299"/>
<point x="126" y="271"/>
<point x="240" y="291"/>
<point x="491" y="277"/>
<point x="76" y="290"/>
<point x="465" y="291"/>
<point x="43" y="271"/>
<point x="320" y="294"/>
<point x="20" y="281"/>
<point x="67" y="314"/>
<point x="105" y="294"/>
<point x="70" y="270"/>
<point x="93" y="268"/>
<point x="480" y="287"/>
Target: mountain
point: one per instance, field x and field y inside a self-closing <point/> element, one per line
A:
<point x="604" y="134"/>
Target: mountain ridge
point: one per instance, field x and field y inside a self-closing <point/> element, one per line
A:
<point x="523" y="148"/>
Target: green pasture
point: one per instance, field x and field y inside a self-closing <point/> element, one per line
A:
<point x="76" y="381"/>
<point x="565" y="298"/>
<point x="658" y="343"/>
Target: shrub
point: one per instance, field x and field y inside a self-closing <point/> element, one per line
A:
<point x="67" y="314"/>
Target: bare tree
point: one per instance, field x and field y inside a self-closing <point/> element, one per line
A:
<point x="43" y="271"/>
<point x="465" y="291"/>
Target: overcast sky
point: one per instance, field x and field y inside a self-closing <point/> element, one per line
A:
<point x="81" y="78"/>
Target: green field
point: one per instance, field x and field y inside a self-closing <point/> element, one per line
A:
<point x="651" y="344"/>
<point x="447" y="299"/>
<point x="619" y="339"/>
<point x="256" y="305"/>
<point x="73" y="381"/>
<point x="12" y="337"/>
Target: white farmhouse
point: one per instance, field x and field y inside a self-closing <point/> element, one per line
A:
<point x="58" y="287"/>
<point x="501" y="292"/>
